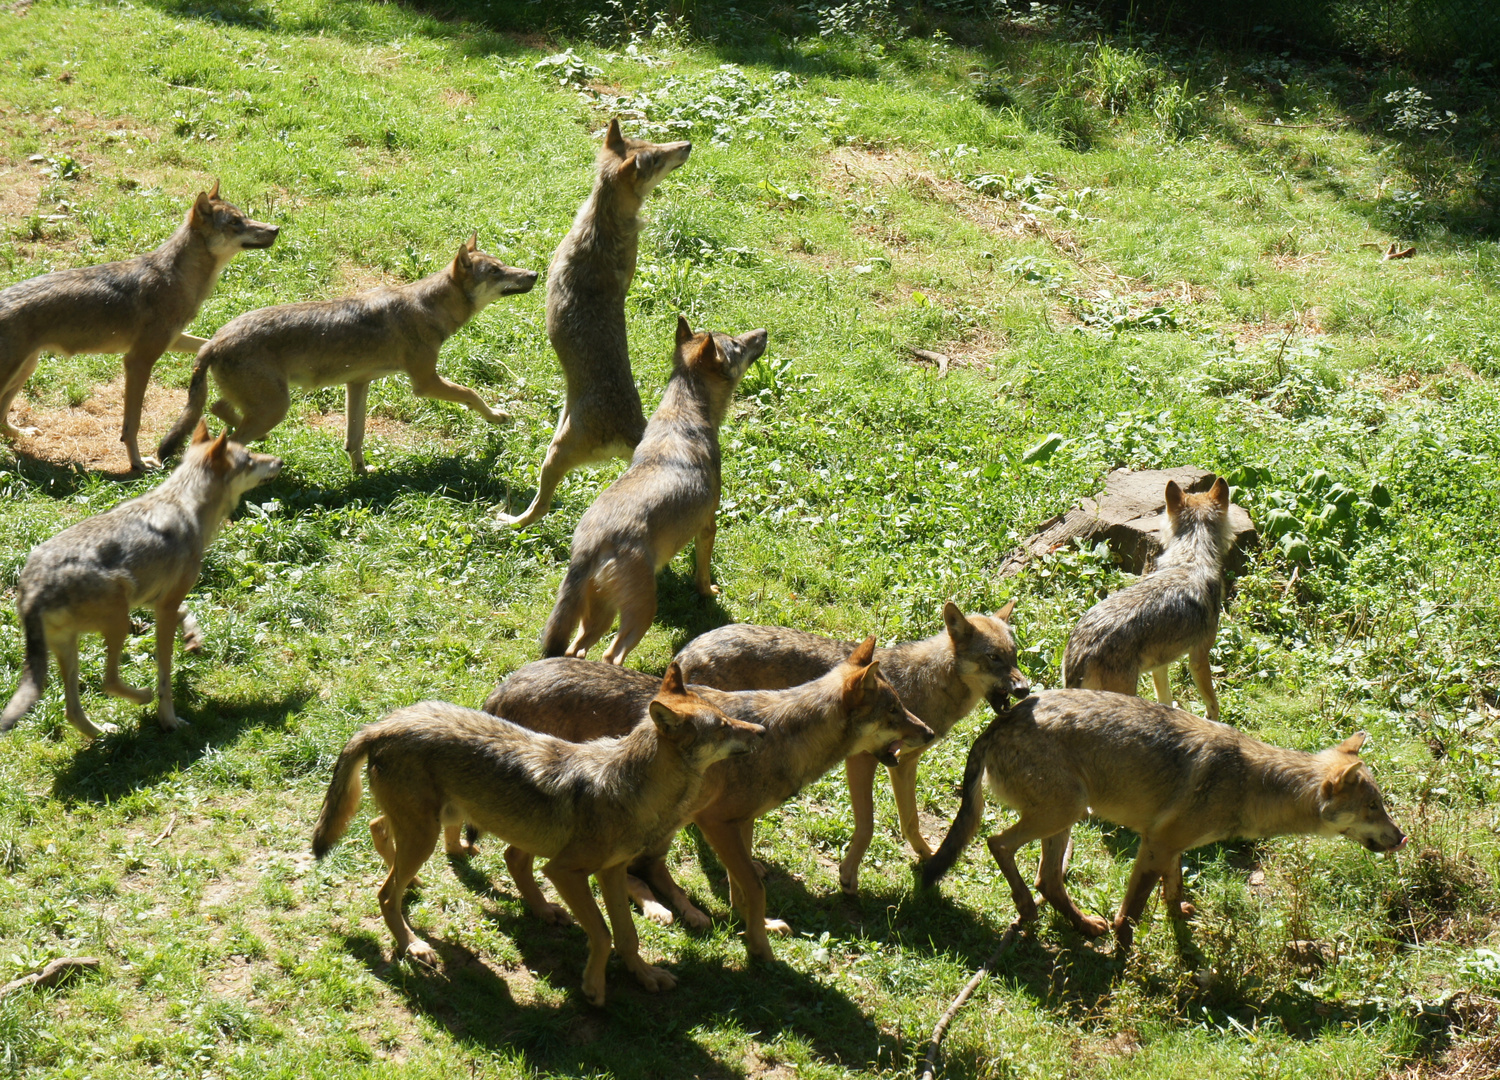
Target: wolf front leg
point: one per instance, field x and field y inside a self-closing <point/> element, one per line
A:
<point x="573" y="886"/>
<point x="139" y="361"/>
<point x="166" y="640"/>
<point x="617" y="902"/>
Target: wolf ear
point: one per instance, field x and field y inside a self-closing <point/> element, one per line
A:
<point x="1352" y="744"/>
<point x="1004" y="613"/>
<point x="705" y="356"/>
<point x="671" y="682"/>
<point x="871" y="675"/>
<point x="1341" y="779"/>
<point x="1174" y="498"/>
<point x="473" y="243"/>
<point x="864" y="652"/>
<point x="461" y="261"/>
<point x="959" y="627"/>
<point x="684" y="331"/>
<point x="663" y="716"/>
<point x="203" y="208"/>
<point x="200" y="433"/>
<point x="1220" y="493"/>
<point x="613" y="138"/>
<point x="219" y="447"/>
<point x="213" y="192"/>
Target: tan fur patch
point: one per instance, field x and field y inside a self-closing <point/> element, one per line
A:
<point x="89" y="434"/>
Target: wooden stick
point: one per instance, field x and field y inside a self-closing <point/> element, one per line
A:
<point x="52" y="974"/>
<point x="929" y="1064"/>
<point x="172" y="824"/>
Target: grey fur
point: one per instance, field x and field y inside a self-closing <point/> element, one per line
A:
<point x="668" y="496"/>
<point x="1171" y="611"/>
<point x="257" y="357"/>
<point x="144" y="552"/>
<point x="587" y="281"/>
<point x="138" y="307"/>
<point x="940" y="679"/>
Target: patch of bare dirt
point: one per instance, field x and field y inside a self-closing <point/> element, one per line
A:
<point x="89" y="434"/>
<point x="458" y="99"/>
<point x="354" y="278"/>
<point x="381" y="427"/>
<point x="20" y="191"/>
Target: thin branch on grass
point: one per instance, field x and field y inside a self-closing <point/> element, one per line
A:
<point x="929" y="1064"/>
<point x="55" y="972"/>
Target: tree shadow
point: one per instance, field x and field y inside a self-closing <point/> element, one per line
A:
<point x="116" y="764"/>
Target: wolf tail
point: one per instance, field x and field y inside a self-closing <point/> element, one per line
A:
<point x="568" y="611"/>
<point x="344" y="792"/>
<point x="33" y="675"/>
<point x="970" y="811"/>
<point x="192" y="412"/>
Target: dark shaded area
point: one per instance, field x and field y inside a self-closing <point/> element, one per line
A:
<point x="132" y="758"/>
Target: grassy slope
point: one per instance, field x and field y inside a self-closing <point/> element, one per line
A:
<point x="860" y="492"/>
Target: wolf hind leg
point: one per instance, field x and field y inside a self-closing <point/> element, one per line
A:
<point x="1055" y="850"/>
<point x="1152" y="864"/>
<point x="1161" y="679"/>
<point x="411" y="839"/>
<point x="569" y="449"/>
<point x="598" y="615"/>
<point x="634" y="589"/>
<point x="65" y="647"/>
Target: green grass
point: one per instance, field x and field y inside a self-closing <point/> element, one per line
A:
<point x="1115" y="241"/>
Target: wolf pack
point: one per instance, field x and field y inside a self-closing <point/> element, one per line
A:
<point x="589" y="765"/>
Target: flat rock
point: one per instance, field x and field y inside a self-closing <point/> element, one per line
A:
<point x="1128" y="514"/>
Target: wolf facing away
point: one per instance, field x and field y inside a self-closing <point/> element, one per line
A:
<point x="940" y="679"/>
<point x="144" y="552"/>
<point x="138" y="307"/>
<point x="1170" y="611"/>
<point x="588" y="808"/>
<point x="257" y="357"/>
<point x="587" y="281"/>
<point x="668" y="496"/>
<point x="1176" y="779"/>
<point x="849" y="710"/>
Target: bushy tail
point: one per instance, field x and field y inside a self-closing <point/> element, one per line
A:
<point x="970" y="811"/>
<point x="33" y="674"/>
<point x="568" y="611"/>
<point x="192" y="412"/>
<point x="344" y="792"/>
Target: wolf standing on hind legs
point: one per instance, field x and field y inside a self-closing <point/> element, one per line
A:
<point x="1170" y="611"/>
<point x="668" y="496"/>
<point x="138" y="307"/>
<point x="590" y="274"/>
<point x="144" y="552"/>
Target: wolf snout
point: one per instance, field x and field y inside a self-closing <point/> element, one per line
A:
<point x="923" y="734"/>
<point x="1020" y="686"/>
<point x="755" y="343"/>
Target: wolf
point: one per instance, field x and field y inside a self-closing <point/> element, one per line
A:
<point x="256" y="358"/>
<point x="587" y="808"/>
<point x="940" y="679"/>
<point x="668" y="496"/>
<point x="587" y="281"/>
<point x="849" y="710"/>
<point x="1170" y="611"/>
<point x="139" y="307"/>
<point x="144" y="552"/>
<point x="1176" y="779"/>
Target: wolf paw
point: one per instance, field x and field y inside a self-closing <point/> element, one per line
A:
<point x="652" y="978"/>
<point x="1181" y="910"/>
<point x="555" y="914"/>
<point x="656" y="913"/>
<point x="776" y="926"/>
<point x="170" y="721"/>
<point x="10" y="431"/>
<point x="101" y="729"/>
<point x="693" y="918"/>
<point x="708" y="590"/>
<point x="1093" y="926"/>
<point x="423" y="953"/>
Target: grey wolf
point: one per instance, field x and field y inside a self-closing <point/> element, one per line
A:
<point x="587" y="808"/>
<point x="587" y="281"/>
<point x="940" y="679"/>
<point x="668" y="496"/>
<point x="257" y="357"/>
<point x="1176" y="779"/>
<point x="138" y="307"/>
<point x="849" y="710"/>
<point x="1170" y="611"/>
<point x="144" y="552"/>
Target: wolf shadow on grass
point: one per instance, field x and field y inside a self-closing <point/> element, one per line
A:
<point x="636" y="1034"/>
<point x="139" y="756"/>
